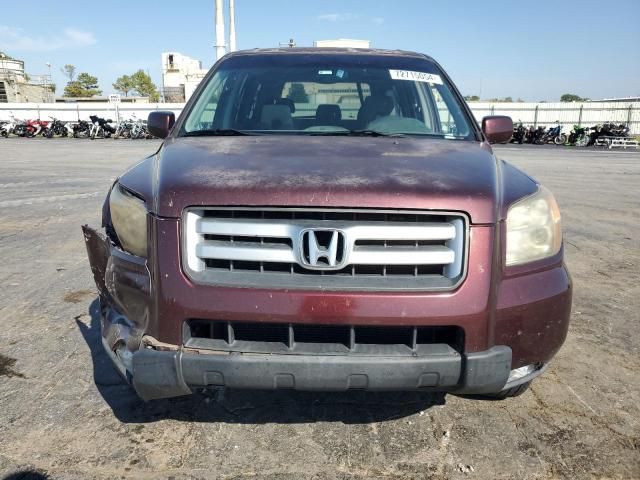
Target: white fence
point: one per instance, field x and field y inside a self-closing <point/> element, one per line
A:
<point x="72" y="112"/>
<point x="546" y="114"/>
<point x="586" y="114"/>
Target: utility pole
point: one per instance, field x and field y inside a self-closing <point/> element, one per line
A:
<point x="220" y="38"/>
<point x="232" y="26"/>
<point x="49" y="84"/>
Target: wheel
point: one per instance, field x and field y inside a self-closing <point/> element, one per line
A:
<point x="510" y="392"/>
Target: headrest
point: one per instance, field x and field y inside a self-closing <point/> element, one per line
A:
<point x="276" y="117"/>
<point x="375" y="106"/>
<point x="288" y="102"/>
<point x="328" y="114"/>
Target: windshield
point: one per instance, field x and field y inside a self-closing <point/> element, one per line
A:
<point x="314" y="95"/>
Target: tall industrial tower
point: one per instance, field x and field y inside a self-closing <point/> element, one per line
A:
<point x="221" y="45"/>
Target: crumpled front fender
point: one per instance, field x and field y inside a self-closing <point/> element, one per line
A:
<point x="124" y="284"/>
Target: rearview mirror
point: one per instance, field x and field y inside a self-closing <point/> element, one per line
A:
<point x="497" y="128"/>
<point x="159" y="124"/>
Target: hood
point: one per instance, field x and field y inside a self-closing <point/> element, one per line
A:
<point x="324" y="172"/>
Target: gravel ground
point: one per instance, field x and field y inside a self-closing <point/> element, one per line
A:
<point x="65" y="413"/>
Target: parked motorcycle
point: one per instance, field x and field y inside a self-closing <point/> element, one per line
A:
<point x="535" y="135"/>
<point x="8" y="127"/>
<point x="123" y="130"/>
<point x="38" y="127"/>
<point x="578" y="136"/>
<point x="613" y="130"/>
<point x="25" y="129"/>
<point x="554" y="135"/>
<point x="519" y="133"/>
<point x="101" y="127"/>
<point x="56" y="127"/>
<point x="82" y="129"/>
<point x="139" y="130"/>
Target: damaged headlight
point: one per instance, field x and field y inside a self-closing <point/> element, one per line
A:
<point x="129" y="219"/>
<point x="533" y="228"/>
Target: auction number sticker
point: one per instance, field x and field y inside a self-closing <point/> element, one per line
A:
<point x="415" y="76"/>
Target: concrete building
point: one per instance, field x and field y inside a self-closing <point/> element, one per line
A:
<point x="619" y="99"/>
<point x="180" y="76"/>
<point x="17" y="86"/>
<point x="342" y="43"/>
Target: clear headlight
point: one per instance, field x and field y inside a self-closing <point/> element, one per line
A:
<point x="533" y="228"/>
<point x="129" y="219"/>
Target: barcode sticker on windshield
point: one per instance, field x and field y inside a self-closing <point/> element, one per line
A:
<point x="415" y="76"/>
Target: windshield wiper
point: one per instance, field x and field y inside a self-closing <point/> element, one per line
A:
<point x="213" y="132"/>
<point x="354" y="133"/>
<point x="372" y="133"/>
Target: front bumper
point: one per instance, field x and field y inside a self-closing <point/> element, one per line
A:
<point x="524" y="325"/>
<point x="160" y="374"/>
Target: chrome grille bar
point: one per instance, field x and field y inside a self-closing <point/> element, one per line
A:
<point x="266" y="228"/>
<point x="358" y="255"/>
<point x="246" y="252"/>
<point x="387" y="249"/>
<point x="245" y="228"/>
<point x="430" y="255"/>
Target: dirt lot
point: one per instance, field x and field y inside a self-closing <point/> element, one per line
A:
<point x="64" y="411"/>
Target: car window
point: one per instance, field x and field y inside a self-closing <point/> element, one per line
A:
<point x="203" y="115"/>
<point x="307" y="96"/>
<point x="446" y="117"/>
<point x="329" y="99"/>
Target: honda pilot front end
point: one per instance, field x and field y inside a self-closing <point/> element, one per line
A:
<point x="329" y="219"/>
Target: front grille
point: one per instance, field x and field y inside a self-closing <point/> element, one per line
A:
<point x="325" y="249"/>
<point x="319" y="339"/>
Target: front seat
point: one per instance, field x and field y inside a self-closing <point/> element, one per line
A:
<point x="288" y="102"/>
<point x="374" y="107"/>
<point x="276" y="117"/>
<point x="327" y="114"/>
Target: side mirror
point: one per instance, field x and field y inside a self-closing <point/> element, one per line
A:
<point x="497" y="128"/>
<point x="159" y="124"/>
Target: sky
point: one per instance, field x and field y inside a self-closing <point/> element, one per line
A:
<point x="491" y="48"/>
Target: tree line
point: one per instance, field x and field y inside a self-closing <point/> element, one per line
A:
<point x="567" y="97"/>
<point x="86" y="85"/>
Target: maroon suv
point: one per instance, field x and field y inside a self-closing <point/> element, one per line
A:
<point x="329" y="219"/>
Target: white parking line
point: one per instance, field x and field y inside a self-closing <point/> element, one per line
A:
<point x="37" y="200"/>
<point x="44" y="182"/>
